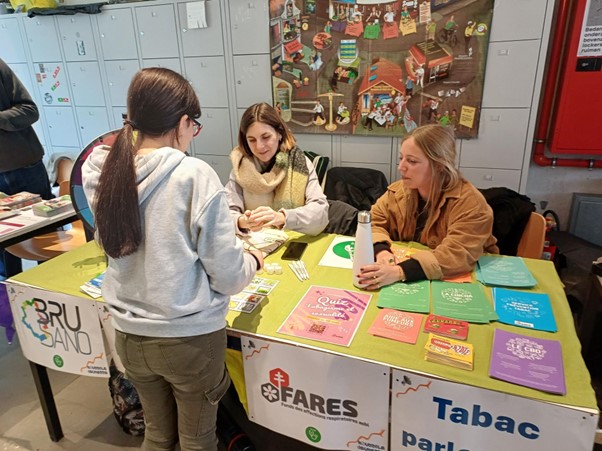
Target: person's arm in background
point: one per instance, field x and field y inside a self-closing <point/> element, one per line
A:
<point x="236" y="202"/>
<point x="312" y="217"/>
<point x="17" y="109"/>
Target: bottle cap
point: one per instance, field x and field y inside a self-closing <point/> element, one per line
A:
<point x="363" y="217"/>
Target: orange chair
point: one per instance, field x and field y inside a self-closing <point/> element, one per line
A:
<point x="533" y="237"/>
<point x="45" y="247"/>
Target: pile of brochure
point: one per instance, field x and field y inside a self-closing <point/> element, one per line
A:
<point x="53" y="206"/>
<point x="450" y="352"/>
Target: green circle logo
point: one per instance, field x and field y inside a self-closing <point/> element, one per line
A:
<point x="313" y="434"/>
<point x="58" y="361"/>
<point x="344" y="249"/>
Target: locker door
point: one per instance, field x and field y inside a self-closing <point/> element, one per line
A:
<point x="61" y="127"/>
<point x="208" y="78"/>
<point x="157" y="31"/>
<point x="93" y="122"/>
<point x="120" y="75"/>
<point x="253" y="81"/>
<point x="77" y="38"/>
<point x="117" y="35"/>
<point x="12" y="49"/>
<point x="86" y="83"/>
<point x="52" y="84"/>
<point x="202" y="41"/>
<point x="42" y="38"/>
<point x="247" y="18"/>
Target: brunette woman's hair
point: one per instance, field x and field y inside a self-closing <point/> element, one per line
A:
<point x="266" y="114"/>
<point x="439" y="146"/>
<point x="156" y="101"/>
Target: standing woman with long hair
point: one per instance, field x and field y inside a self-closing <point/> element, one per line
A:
<point x="434" y="205"/>
<point x="163" y="220"/>
<point x="273" y="183"/>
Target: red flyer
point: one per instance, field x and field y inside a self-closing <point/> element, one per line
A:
<point x="447" y="327"/>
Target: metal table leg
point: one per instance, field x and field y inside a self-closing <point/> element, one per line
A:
<point x="40" y="377"/>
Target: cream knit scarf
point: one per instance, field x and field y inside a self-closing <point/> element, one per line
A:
<point x="283" y="186"/>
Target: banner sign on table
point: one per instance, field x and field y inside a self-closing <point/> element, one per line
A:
<point x="321" y="399"/>
<point x="59" y="331"/>
<point x="434" y="414"/>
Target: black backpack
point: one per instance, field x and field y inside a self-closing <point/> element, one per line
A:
<point x="126" y="403"/>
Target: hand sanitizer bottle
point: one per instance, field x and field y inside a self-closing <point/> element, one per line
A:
<point x="363" y="252"/>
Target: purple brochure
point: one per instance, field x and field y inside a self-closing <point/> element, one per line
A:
<point x="528" y="361"/>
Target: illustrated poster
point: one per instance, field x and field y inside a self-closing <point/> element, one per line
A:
<point x="379" y="67"/>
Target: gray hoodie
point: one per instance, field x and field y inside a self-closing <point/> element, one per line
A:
<point x="178" y="282"/>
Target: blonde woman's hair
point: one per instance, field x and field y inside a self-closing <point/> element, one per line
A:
<point x="438" y="143"/>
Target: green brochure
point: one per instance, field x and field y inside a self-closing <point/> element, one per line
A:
<point x="504" y="271"/>
<point x="463" y="301"/>
<point x="410" y="297"/>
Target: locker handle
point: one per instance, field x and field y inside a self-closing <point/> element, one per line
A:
<point x="495" y="118"/>
<point x="203" y="64"/>
<point x="488" y="177"/>
<point x="184" y="30"/>
<point x="142" y="33"/>
<point x="154" y="14"/>
<point x="113" y="17"/>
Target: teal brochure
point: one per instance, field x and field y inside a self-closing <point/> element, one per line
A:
<point x="410" y="297"/>
<point x="504" y="271"/>
<point x="524" y="309"/>
<point x="463" y="301"/>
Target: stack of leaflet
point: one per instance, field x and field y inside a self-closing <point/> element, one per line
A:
<point x="504" y="271"/>
<point x="93" y="286"/>
<point x="410" y="297"/>
<point x="524" y="309"/>
<point x="465" y="301"/>
<point x="450" y="352"/>
<point x="528" y="361"/>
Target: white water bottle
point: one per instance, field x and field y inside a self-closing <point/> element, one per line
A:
<point x="363" y="251"/>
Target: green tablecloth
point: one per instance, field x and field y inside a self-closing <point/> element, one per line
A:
<point x="66" y="273"/>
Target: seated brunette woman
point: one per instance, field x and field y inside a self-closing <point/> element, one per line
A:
<point x="432" y="205"/>
<point x="273" y="183"/>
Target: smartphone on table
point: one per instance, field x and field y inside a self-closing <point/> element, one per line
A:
<point x="294" y="250"/>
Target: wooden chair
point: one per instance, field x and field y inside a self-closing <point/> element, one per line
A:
<point x="533" y="237"/>
<point x="45" y="247"/>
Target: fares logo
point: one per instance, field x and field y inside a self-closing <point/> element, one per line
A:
<point x="279" y="389"/>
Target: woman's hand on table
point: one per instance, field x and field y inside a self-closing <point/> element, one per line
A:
<point x="385" y="258"/>
<point x="378" y="275"/>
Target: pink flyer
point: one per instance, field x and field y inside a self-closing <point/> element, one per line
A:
<point x="327" y="314"/>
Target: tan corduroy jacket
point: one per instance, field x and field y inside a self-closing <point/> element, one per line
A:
<point x="458" y="236"/>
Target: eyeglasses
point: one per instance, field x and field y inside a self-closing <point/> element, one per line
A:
<point x="197" y="126"/>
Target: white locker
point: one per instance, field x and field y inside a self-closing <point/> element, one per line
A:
<point x="246" y="18"/>
<point x="157" y="31"/>
<point x="515" y="20"/>
<point x="77" y="37"/>
<point x="253" y="79"/>
<point x="117" y="34"/>
<point x="12" y="49"/>
<point x="61" y="126"/>
<point x="320" y="144"/>
<point x="490" y="178"/>
<point x="42" y="38"/>
<point x="359" y="149"/>
<point x="117" y="116"/>
<point x="22" y="72"/>
<point x="202" y="41"/>
<point x="93" y="122"/>
<point x="501" y="141"/>
<point x="510" y="74"/>
<point x="86" y="83"/>
<point x="120" y="75"/>
<point x="215" y="138"/>
<point x="168" y="63"/>
<point x="53" y="86"/>
<point x="220" y="164"/>
<point x="208" y="78"/>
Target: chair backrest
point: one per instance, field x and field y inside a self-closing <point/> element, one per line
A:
<point x="320" y="165"/>
<point x="359" y="187"/>
<point x="532" y="241"/>
<point x="63" y="172"/>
